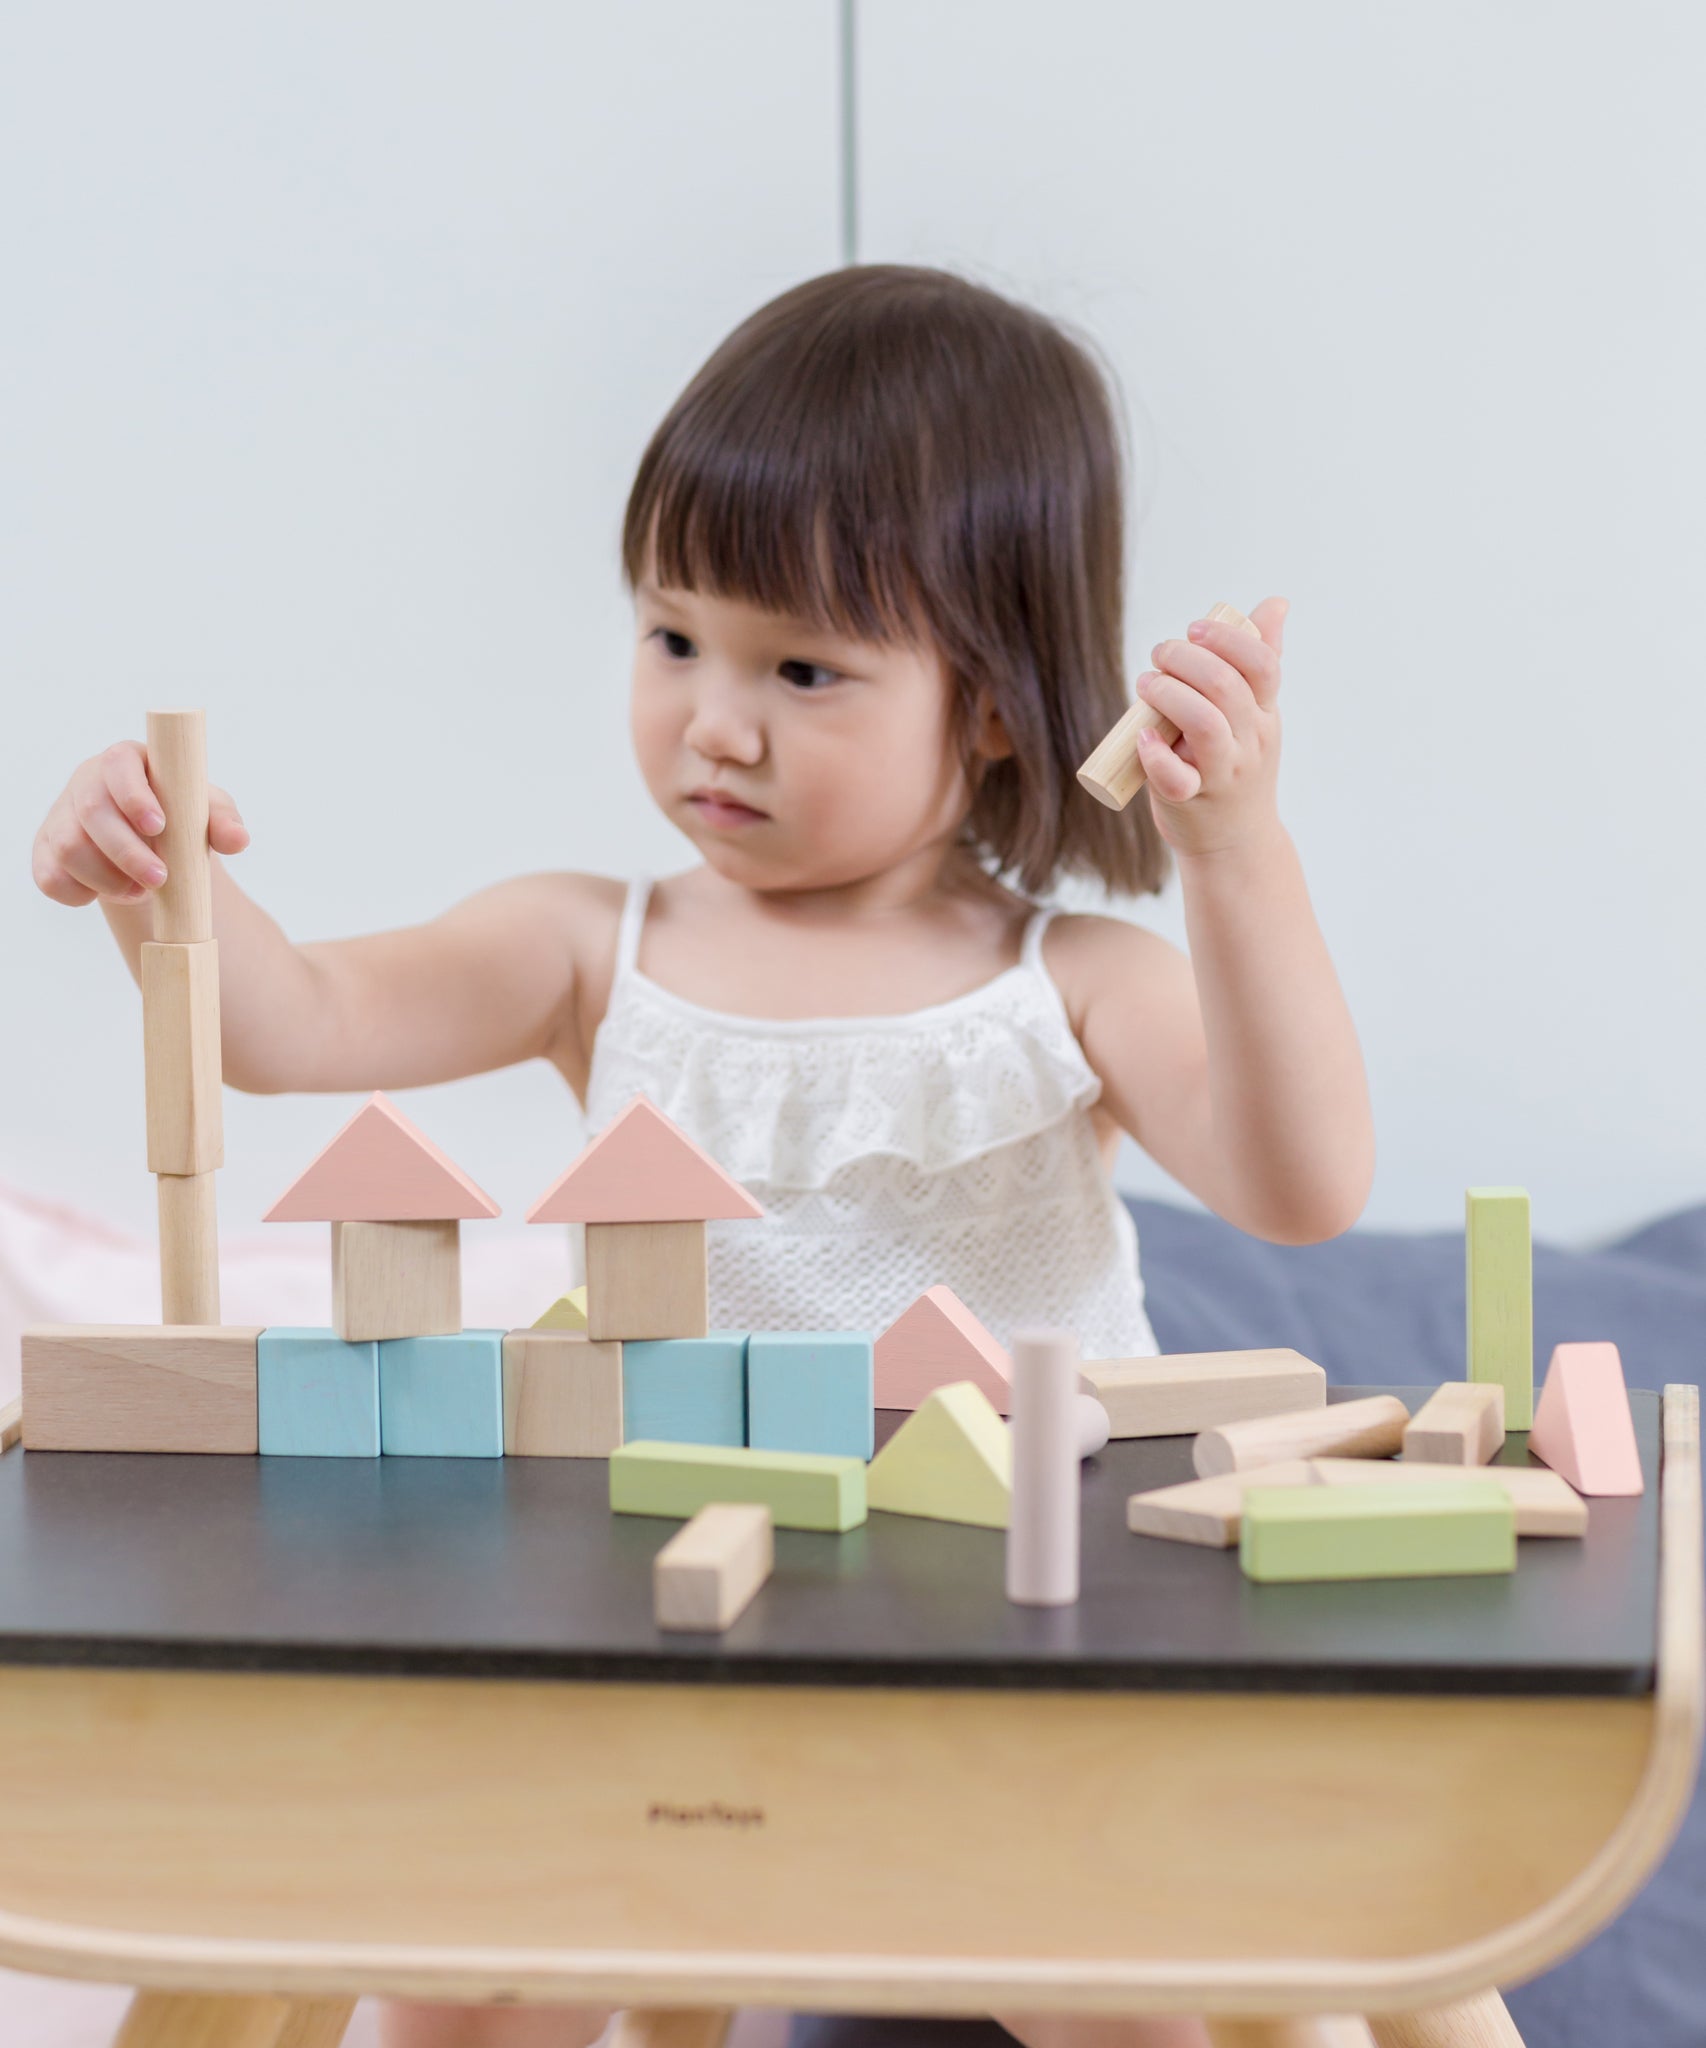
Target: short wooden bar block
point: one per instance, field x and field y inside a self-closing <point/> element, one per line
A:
<point x="1462" y="1424"/>
<point x="396" y="1280"/>
<point x="113" y="1387"/>
<point x="181" y="1067"/>
<point x="646" y="1280"/>
<point x="706" y="1575"/>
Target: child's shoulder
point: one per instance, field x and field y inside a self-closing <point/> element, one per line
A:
<point x="1101" y="963"/>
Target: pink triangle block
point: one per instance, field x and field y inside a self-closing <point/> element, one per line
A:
<point x="381" y="1168"/>
<point x="1582" y="1425"/>
<point x="934" y="1343"/>
<point x="641" y="1168"/>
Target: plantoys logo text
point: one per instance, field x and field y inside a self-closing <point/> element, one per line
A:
<point x="714" y="1814"/>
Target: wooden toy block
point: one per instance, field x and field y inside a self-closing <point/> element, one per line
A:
<point x="1545" y="1504"/>
<point x="646" y="1280"/>
<point x="318" y="1396"/>
<point x="642" y="1168"/>
<point x="810" y="1390"/>
<point x="12" y="1423"/>
<point x="1208" y="1511"/>
<point x="181" y="1059"/>
<point x="442" y="1397"/>
<point x="1093" y="1428"/>
<point x="1376" y="1532"/>
<point x="951" y="1460"/>
<point x="687" y="1390"/>
<point x="114" y="1387"/>
<point x="1583" y="1427"/>
<point x="935" y="1343"/>
<point x="1183" y="1392"/>
<point x="189" y="1248"/>
<point x="1349" y="1429"/>
<point x="396" y="1280"/>
<point x="562" y="1395"/>
<point x="705" y="1576"/>
<point x="177" y="768"/>
<point x="1462" y="1423"/>
<point x="801" y="1489"/>
<point x="1500" y="1296"/>
<point x="1042" y="1532"/>
<point x="380" y="1168"/>
<point x="1114" y="772"/>
<point x="567" y="1312"/>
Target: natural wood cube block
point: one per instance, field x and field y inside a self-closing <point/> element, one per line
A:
<point x="646" y="1280"/>
<point x="396" y="1279"/>
<point x="181" y="1065"/>
<point x="152" y="1387"/>
<point x="562" y="1395"/>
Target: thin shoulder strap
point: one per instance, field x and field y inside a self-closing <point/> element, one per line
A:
<point x="1031" y="942"/>
<point x="628" y="931"/>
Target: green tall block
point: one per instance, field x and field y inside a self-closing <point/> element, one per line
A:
<point x="1500" y="1290"/>
<point x="1379" y="1531"/>
<point x="802" y="1489"/>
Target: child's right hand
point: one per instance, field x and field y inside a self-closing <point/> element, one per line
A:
<point x="94" y="841"/>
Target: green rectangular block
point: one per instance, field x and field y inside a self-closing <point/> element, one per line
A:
<point x="802" y="1489"/>
<point x="1377" y="1531"/>
<point x="1500" y="1290"/>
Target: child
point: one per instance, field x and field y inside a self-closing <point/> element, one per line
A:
<point x="876" y="552"/>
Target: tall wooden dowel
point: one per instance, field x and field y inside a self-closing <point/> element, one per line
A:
<point x="181" y="1031"/>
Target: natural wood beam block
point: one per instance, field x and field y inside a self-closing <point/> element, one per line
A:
<point x="188" y="1209"/>
<point x="114" y="1387"/>
<point x="396" y="1279"/>
<point x="177" y="768"/>
<point x="1452" y="1527"/>
<point x="705" y="1576"/>
<point x="201" y="2019"/>
<point x="562" y="1395"/>
<point x="1187" y="1391"/>
<point x="1462" y="1423"/>
<point x="802" y="1489"/>
<point x="1208" y="1511"/>
<point x="1545" y="1504"/>
<point x="646" y="1280"/>
<point x="1583" y="1427"/>
<point x="181" y="1067"/>
<point x="1349" y="1429"/>
<point x="1499" y="1286"/>
<point x="1114" y="774"/>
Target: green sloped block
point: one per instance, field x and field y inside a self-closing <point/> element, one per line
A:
<point x="1499" y="1262"/>
<point x="802" y="1489"/>
<point x="951" y="1460"/>
<point x="1377" y="1531"/>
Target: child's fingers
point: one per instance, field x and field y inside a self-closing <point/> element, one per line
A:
<point x="69" y="868"/>
<point x="1174" y="780"/>
<point x="226" y="832"/>
<point x="115" y="838"/>
<point x="1201" y="720"/>
<point x="126" y="775"/>
<point x="1269" y="619"/>
<point x="1253" y="661"/>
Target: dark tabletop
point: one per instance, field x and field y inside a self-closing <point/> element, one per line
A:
<point x="515" y="1567"/>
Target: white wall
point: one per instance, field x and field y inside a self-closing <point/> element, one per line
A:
<point x="333" y="333"/>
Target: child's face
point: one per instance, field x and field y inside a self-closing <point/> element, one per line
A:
<point x="834" y="757"/>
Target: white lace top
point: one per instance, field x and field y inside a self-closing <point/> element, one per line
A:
<point x="951" y="1144"/>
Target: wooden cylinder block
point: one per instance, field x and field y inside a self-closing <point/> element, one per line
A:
<point x="1113" y="773"/>
<point x="177" y="767"/>
<point x="180" y="1037"/>
<point x="1373" y="1428"/>
<point x="189" y="1248"/>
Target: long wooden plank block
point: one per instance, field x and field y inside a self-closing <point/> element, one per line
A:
<point x="1545" y="1504"/>
<point x="1499" y="1291"/>
<point x="1350" y="1429"/>
<point x="1452" y="1527"/>
<point x="1209" y="1511"/>
<point x="802" y="1489"/>
<point x="115" y="1387"/>
<point x="1183" y="1392"/>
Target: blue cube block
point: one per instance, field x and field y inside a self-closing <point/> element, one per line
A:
<point x="318" y="1396"/>
<point x="442" y="1397"/>
<point x="811" y="1390"/>
<point x="685" y="1390"/>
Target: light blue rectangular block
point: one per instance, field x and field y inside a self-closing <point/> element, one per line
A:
<point x="685" y="1390"/>
<point x="318" y="1396"/>
<point x="442" y="1397"/>
<point x="811" y="1390"/>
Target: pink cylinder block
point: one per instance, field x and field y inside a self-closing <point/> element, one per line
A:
<point x="1042" y="1536"/>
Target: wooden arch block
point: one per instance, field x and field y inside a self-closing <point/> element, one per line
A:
<point x="1582" y="1426"/>
<point x="934" y="1343"/>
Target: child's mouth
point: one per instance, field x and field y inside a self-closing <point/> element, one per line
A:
<point x="723" y="811"/>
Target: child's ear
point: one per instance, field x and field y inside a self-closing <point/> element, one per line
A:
<point x="989" y="735"/>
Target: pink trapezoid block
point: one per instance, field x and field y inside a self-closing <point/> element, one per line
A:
<point x="642" y="1168"/>
<point x="933" y="1343"/>
<point x="381" y="1168"/>
<point x="1582" y="1425"/>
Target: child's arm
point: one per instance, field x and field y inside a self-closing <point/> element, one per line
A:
<point x="488" y="983"/>
<point x="1238" y="1068"/>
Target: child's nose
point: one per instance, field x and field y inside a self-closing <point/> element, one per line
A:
<point x="723" y="724"/>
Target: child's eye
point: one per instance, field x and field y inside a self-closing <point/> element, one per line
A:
<point x="676" y="645"/>
<point x="802" y="672"/>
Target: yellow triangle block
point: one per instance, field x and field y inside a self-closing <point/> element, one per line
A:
<point x="568" y="1312"/>
<point x="951" y="1460"/>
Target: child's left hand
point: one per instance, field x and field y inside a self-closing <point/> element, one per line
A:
<point x="1214" y="788"/>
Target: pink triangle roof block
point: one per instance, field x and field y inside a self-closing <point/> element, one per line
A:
<point x="933" y="1343"/>
<point x="1582" y="1425"/>
<point x="642" y="1168"/>
<point x="381" y="1168"/>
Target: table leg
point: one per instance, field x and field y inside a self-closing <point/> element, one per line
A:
<point x="646" y="2026"/>
<point x="1480" y="2022"/>
<point x="1295" y="2032"/>
<point x="198" y="2019"/>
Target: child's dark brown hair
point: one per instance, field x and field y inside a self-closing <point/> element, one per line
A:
<point x="899" y="454"/>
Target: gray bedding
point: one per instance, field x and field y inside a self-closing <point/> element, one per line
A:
<point x="1379" y="1308"/>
